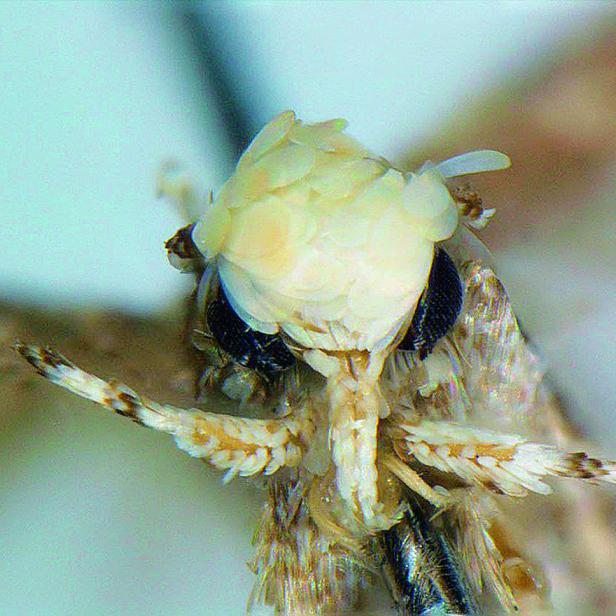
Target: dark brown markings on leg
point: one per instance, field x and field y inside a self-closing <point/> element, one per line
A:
<point x="45" y="361"/>
<point x="595" y="465"/>
<point x="130" y="406"/>
<point x="581" y="466"/>
<point x="54" y="359"/>
<point x="123" y="402"/>
<point x="490" y="485"/>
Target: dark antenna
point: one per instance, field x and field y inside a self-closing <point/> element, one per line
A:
<point x="204" y="32"/>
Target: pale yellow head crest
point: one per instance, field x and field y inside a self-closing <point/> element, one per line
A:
<point x="316" y="236"/>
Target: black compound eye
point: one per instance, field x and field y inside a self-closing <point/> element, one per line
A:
<point x="265" y="353"/>
<point x="437" y="309"/>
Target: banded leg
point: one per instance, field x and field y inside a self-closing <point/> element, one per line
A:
<point x="503" y="463"/>
<point x="241" y="446"/>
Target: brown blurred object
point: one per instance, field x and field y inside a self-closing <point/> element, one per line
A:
<point x="149" y="352"/>
<point x="558" y="125"/>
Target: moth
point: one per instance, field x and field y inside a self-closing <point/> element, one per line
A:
<point x="393" y="407"/>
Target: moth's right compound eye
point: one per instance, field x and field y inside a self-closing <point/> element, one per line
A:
<point x="438" y="307"/>
<point x="265" y="353"/>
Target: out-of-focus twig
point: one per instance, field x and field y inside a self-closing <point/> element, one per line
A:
<point x="149" y="352"/>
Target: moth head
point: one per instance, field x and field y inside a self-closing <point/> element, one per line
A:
<point x="318" y="239"/>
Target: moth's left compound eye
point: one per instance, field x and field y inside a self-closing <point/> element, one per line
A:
<point x="265" y="353"/>
<point x="438" y="307"/>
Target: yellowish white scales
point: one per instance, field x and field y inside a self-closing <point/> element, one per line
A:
<point x="340" y="292"/>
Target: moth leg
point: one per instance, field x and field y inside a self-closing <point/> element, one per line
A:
<point x="504" y="463"/>
<point x="354" y="403"/>
<point x="413" y="480"/>
<point x="241" y="446"/>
